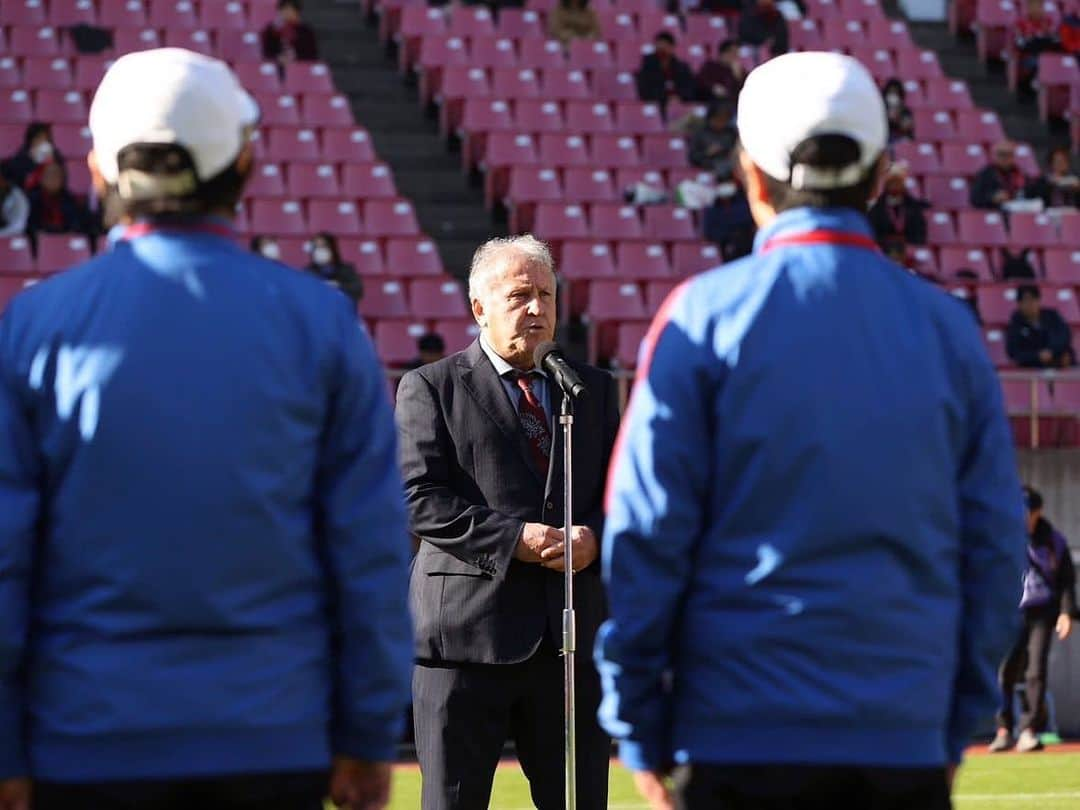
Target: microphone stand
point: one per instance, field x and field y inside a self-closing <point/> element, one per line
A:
<point x="569" y="633"/>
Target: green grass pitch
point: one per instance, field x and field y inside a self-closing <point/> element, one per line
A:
<point x="1044" y="781"/>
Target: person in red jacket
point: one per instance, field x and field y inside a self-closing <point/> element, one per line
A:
<point x="289" y="39"/>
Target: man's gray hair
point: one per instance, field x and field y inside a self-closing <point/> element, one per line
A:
<point x="487" y="255"/>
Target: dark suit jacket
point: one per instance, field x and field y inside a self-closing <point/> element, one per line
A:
<point x="651" y="80"/>
<point x="471" y="486"/>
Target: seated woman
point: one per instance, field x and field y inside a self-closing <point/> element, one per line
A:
<point x="37" y="151"/>
<point x="288" y="38"/>
<point x="573" y="19"/>
<point x="326" y="263"/>
<point x="1059" y="187"/>
<point x="53" y="208"/>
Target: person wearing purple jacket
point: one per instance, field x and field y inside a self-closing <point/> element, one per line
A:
<point x="1048" y="603"/>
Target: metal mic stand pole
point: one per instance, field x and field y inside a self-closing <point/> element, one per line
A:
<point x="566" y="419"/>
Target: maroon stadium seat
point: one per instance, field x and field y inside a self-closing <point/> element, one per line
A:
<point x="540" y="54"/>
<point x="437" y="298"/>
<point x="587" y="260"/>
<point x="15" y="256"/>
<point x="72" y="140"/>
<point x="587" y="54"/>
<point x="457" y="333"/>
<point x="533" y="115"/>
<point x="470" y="21"/>
<point x="339" y="217"/>
<point x="217" y="16"/>
<point x="515" y="83"/>
<point x="302" y="78"/>
<point x="323" y="110"/>
<point x="934" y="125"/>
<point x="707" y="29"/>
<point x="16" y="107"/>
<point x="363" y="254"/>
<point x="59" y="251"/>
<point x="642" y="260"/>
<point x="613" y="85"/>
<point x="557" y="222"/>
<point x="997" y="303"/>
<point x="47" y="72"/>
<point x="522" y="24"/>
<point x="26" y="40"/>
<point x="948" y="192"/>
<point x="995" y="347"/>
<point x="951" y="259"/>
<point x="981" y="126"/>
<point x="348" y="145"/>
<point x="368" y="181"/>
<point x="10" y="75"/>
<point x="493" y="52"/>
<point x="390" y="218"/>
<point x="27" y="12"/>
<point x="60" y="106"/>
<point x="613" y="221"/>
<point x="589" y="117"/>
<point x="295" y="144"/>
<point x="981" y="228"/>
<point x="615" y="151"/>
<point x="384" y="299"/>
<point x="267" y="180"/>
<point x="527" y="186"/>
<point x="615" y="301"/>
<point x="173" y="14"/>
<point x="664" y="151"/>
<point x="129" y="40"/>
<point x="279" y="111"/>
<point x="239" y="46"/>
<point x="922" y="158"/>
<point x="563" y="150"/>
<point x="259" y="77"/>
<point x="588" y="185"/>
<point x="949" y="94"/>
<point x="280" y="217"/>
<point x="10" y="286"/>
<point x="413" y="256"/>
<point x="940" y="228"/>
<point x="638" y="117"/>
<point x="198" y="39"/>
<point x="1062" y="265"/>
<point x="689" y="258"/>
<point x="1033" y="230"/>
<point x="395" y="340"/>
<point x="629" y="335"/>
<point x="963" y="158"/>
<point x="669" y="223"/>
<point x="312" y="180"/>
<point x="565" y="84"/>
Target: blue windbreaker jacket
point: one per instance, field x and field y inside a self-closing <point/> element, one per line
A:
<point x="815" y="529"/>
<point x="203" y="546"/>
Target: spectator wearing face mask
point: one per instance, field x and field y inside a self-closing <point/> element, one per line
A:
<point x="53" y="208"/>
<point x="14" y="207"/>
<point x="37" y="151"/>
<point x="267" y="247"/>
<point x="901" y="120"/>
<point x="287" y="38"/>
<point x="722" y="76"/>
<point x="897" y="216"/>
<point x="326" y="263"/>
<point x="999" y="182"/>
<point x="762" y="25"/>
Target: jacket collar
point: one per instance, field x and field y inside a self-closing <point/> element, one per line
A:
<point x="804" y="220"/>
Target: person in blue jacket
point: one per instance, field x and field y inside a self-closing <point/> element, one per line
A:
<point x="814" y="529"/>
<point x="203" y="543"/>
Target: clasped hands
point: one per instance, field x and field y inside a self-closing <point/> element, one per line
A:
<point x="544" y="545"/>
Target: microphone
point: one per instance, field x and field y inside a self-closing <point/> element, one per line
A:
<point x="549" y="357"/>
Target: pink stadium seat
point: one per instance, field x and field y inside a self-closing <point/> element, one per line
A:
<point x="949" y="94"/>
<point x="563" y="150"/>
<point x="521" y="24"/>
<point x="664" y="151"/>
<point x="259" y="77"/>
<point x="339" y="217"/>
<point x="940" y="228"/>
<point x="861" y="9"/>
<point x="934" y="125"/>
<point x="612" y="84"/>
<point x="493" y="52"/>
<point x="615" y="301"/>
<point x="642" y="260"/>
<point x="480" y="117"/>
<point x="669" y="223"/>
<point x="981" y="126"/>
<point x="17" y="108"/>
<point x="963" y="158"/>
<point x="558" y="222"/>
<point x="804" y="35"/>
<point x="1062" y="265"/>
<point x="527" y="186"/>
<point x="688" y="258"/>
<point x="267" y="180"/>
<point x="78" y="176"/>
<point x="470" y="21"/>
<point x="417" y="22"/>
<point x="982" y="228"/>
<point x="617" y="25"/>
<point x="308" y="77"/>
<point x="436" y="54"/>
<point x="1064" y="300"/>
<point x="122" y="14"/>
<point x="532" y="115"/>
<point x="589" y="117"/>
<point x="279" y="217"/>
<point x="437" y="298"/>
<point x="948" y="192"/>
<point x="239" y="46"/>
<point x="322" y="110"/>
<point x="60" y="106"/>
<point x="385" y="299"/>
<point x="368" y="181"/>
<point x="565" y="84"/>
<point x="586" y="260"/>
<point x="638" y="118"/>
<point x="390" y="218"/>
<point x="217" y="16"/>
<point x="628" y="338"/>
<point x="173" y="14"/>
<point x="843" y="33"/>
<point x="922" y="158"/>
<point x="615" y="151"/>
<point x="11" y="286"/>
<point x="1026" y="161"/>
<point x="130" y="40"/>
<point x="413" y="256"/>
<point x="312" y="180"/>
<point x="279" y="111"/>
<point x="457" y="333"/>
<point x="629" y="53"/>
<point x="1057" y="72"/>
<point x="59" y="251"/>
<point x="395" y="340"/>
<point x="294" y="251"/>
<point x="588" y="185"/>
<point x="651" y="19"/>
<point x="363" y="254"/>
<point x="26" y="40"/>
<point x="89" y="71"/>
<point x="707" y="29"/>
<point x="919" y="65"/>
<point x="198" y="40"/>
<point x="888" y="33"/>
<point x="515" y="83"/>
<point x="458" y="85"/>
<point x="657" y="292"/>
<point x="995" y="347"/>
<point x="15" y="256"/>
<point x="11" y="137"/>
<point x="613" y="221"/>
<point x="348" y="145"/>
<point x="10" y="75"/>
<point x="294" y="144"/>
<point x="1033" y="230"/>
<point x="590" y="55"/>
<point x="540" y="54"/>
<point x="952" y="259"/>
<point x="47" y="72"/>
<point x="27" y="12"/>
<point x="510" y="149"/>
<point x="996" y="303"/>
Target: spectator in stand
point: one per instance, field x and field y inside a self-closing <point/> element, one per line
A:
<point x="573" y="19"/>
<point x="722" y="76"/>
<point x="901" y="121"/>
<point x="897" y="216"/>
<point x="37" y="151"/>
<point x="1048" y="604"/>
<point x="1036" y="33"/>
<point x="1000" y="181"/>
<point x="1059" y="187"/>
<point x="289" y="39"/>
<point x="711" y="145"/>
<point x="1038" y="336"/>
<point x="326" y="263"/>
<point x="663" y="75"/>
<point x="267" y="247"/>
<point x="14" y="207"/>
<point x="430" y="348"/>
<point x="762" y="25"/>
<point x="53" y="208"/>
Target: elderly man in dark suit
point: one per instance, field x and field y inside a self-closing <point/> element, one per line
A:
<point x="483" y="462"/>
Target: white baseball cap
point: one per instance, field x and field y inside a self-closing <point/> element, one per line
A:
<point x="171" y="95"/>
<point x="798" y="95"/>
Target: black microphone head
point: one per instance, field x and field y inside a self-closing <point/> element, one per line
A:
<point x="543" y="350"/>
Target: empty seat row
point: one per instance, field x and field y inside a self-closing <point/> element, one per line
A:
<point x="213" y="14"/>
<point x="952" y="158"/>
<point x="988" y="228"/>
<point x="322" y="181"/>
<point x="419" y="298"/>
<point x="558" y="222"/>
<point x="1056" y="264"/>
<point x="290" y="217"/>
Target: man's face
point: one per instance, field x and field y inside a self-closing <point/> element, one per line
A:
<point x="895" y="185"/>
<point x="52" y="178"/>
<point x="290" y="13"/>
<point x="1004" y="157"/>
<point x="1029" y="307"/>
<point x="516" y="308"/>
<point x="663" y="47"/>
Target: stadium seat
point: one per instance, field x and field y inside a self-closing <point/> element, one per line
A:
<point x="615" y="301"/>
<point x="688" y="258"/>
<point x="10" y="75"/>
<point x="540" y="54"/>
<point x="953" y="258"/>
<point x="948" y="192"/>
<point x="948" y="94"/>
<point x="47" y="72"/>
<point x="348" y="145"/>
<point x="59" y="251"/>
<point x="642" y="261"/>
<point x="922" y="158"/>
<point x="804" y="35"/>
<point x="706" y="29"/>
<point x="995" y="347"/>
<point x="368" y="181"/>
<point x="15" y="256"/>
<point x="520" y="24"/>
<point x="557" y="222"/>
<point x="515" y="83"/>
<point x="669" y="223"/>
<point x="1062" y="265"/>
<point x="527" y="186"/>
<point x="996" y="303"/>
<point x="11" y="137"/>
<point x="259" y="77"/>
<point x="470" y="21"/>
<point x="457" y="333"/>
<point x="889" y="33"/>
<point x="627" y="177"/>
<point x="17" y="108"/>
<point x="437" y="298"/>
<point x="588" y="185"/>
<point x="1032" y="230"/>
<point x="924" y="259"/>
<point x="587" y="260"/>
<point x="503" y="151"/>
<point x="458" y="85"/>
<point x="628" y="338"/>
<point x="1064" y="300"/>
<point x="239" y="46"/>
<point x="617" y="25"/>
<point x="436" y="54"/>
<point x="657" y="292"/>
<point x="638" y="118"/>
<point x="266" y="180"/>
<point x="390" y="218"/>
<point x="934" y="125"/>
<point x="174" y="14"/>
<point x="615" y="151"/>
<point x="565" y="84"/>
<point x="78" y="176"/>
<point x="339" y="217"/>
<point x="940" y="228"/>
<point x="589" y="117"/>
<point x="60" y="106"/>
<point x="963" y="158"/>
<point x="122" y="14"/>
<point x="28" y="12"/>
<point x="10" y="286"/>
<point x="1057" y="72"/>
<point x="363" y="254"/>
<point x="981" y="228"/>
<point x="280" y="217"/>
<point x="322" y="110"/>
<point x="493" y="52"/>
<point x="613" y="85"/>
<point x="413" y="256"/>
<point x="302" y="78"/>
<point x="532" y="115"/>
<point x="979" y="126"/>
<point x="614" y="221"/>
<point x="395" y="339"/>
<point x="25" y="40"/>
<point x="198" y="40"/>
<point x="664" y="151"/>
<point x="384" y="299"/>
<point x="295" y="251"/>
<point x="282" y="111"/>
<point x="919" y="65"/>
<point x="294" y="144"/>
<point x="309" y="180"/>
<point x="217" y="16"/>
<point x="130" y="40"/>
<point x="563" y="150"/>
<point x="584" y="54"/>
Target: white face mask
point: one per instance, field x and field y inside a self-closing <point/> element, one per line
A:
<point x="42" y="152"/>
<point x="321" y="255"/>
<point x="271" y="251"/>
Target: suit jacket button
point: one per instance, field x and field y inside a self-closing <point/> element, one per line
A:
<point x="549" y="505"/>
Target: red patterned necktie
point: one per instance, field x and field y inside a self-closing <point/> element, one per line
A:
<point x="534" y="422"/>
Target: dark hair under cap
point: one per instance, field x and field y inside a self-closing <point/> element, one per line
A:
<point x="1033" y="499"/>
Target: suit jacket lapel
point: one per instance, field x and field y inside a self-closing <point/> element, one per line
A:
<point x="480" y="379"/>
